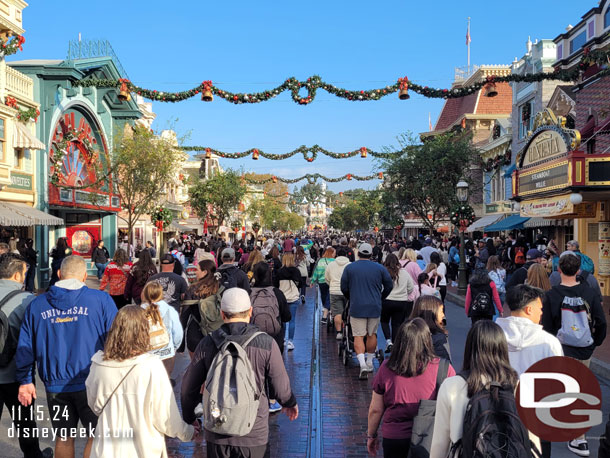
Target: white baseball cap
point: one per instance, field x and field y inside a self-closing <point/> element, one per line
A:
<point x="235" y="300"/>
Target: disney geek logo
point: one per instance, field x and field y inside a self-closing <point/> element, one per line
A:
<point x="559" y="399"/>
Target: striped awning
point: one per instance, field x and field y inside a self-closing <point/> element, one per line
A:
<point x="539" y="222"/>
<point x="16" y="214"/>
<point x="180" y="227"/>
<point x="23" y="138"/>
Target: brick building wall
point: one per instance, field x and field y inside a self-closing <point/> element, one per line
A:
<point x="595" y="100"/>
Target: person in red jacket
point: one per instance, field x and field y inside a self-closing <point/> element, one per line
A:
<point x="115" y="276"/>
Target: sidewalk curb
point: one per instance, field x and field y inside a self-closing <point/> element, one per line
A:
<point x="600" y="368"/>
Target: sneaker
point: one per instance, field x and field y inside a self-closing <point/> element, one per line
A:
<point x="199" y="410"/>
<point x="364" y="373"/>
<point x="303" y="299"/>
<point x="324" y="320"/>
<point x="339" y="336"/>
<point x="388" y="348"/>
<point x="275" y="407"/>
<point x="289" y="345"/>
<point x="579" y="447"/>
<point x="47" y="453"/>
<point x="370" y="367"/>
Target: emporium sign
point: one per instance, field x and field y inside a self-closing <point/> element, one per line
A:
<point x="546" y="179"/>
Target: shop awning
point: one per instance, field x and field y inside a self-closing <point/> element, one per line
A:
<point x="512" y="222"/>
<point x="14" y="214"/>
<point x="480" y="224"/>
<point x="412" y="223"/>
<point x="176" y="225"/>
<point x="23" y="138"/>
<point x="539" y="222"/>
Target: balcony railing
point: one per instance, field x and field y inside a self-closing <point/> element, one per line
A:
<point x="463" y="73"/>
<point x="18" y="84"/>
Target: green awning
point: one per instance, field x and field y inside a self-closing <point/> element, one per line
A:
<point x="512" y="222"/>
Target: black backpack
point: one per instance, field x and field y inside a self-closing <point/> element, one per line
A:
<point x="8" y="342"/>
<point x="482" y="303"/>
<point x="227" y="279"/>
<point x="492" y="427"/>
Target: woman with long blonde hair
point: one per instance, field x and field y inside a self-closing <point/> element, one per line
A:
<point x="409" y="263"/>
<point x="162" y="315"/>
<point x="129" y="392"/>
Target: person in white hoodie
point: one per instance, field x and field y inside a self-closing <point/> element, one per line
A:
<point x="159" y="311"/>
<point x="528" y="342"/>
<point x="128" y="390"/>
<point x="332" y="275"/>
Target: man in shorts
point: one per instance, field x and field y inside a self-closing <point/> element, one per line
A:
<point x="365" y="284"/>
<point x="61" y="330"/>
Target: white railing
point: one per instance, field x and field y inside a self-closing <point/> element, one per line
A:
<point x="19" y="84"/>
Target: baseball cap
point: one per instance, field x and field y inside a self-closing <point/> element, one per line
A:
<point x="533" y="254"/>
<point x="228" y="253"/>
<point x="167" y="259"/>
<point x="235" y="300"/>
<point x="365" y="248"/>
<point x="343" y="241"/>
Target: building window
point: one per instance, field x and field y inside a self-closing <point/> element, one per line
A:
<point x="18" y="156"/>
<point x="607" y="19"/>
<point x="526" y="118"/>
<point x="559" y="52"/>
<point x="578" y="41"/>
<point x="591" y="29"/>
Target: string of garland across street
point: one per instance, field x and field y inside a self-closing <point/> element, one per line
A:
<point x="313" y="177"/>
<point x="403" y="85"/>
<point x="310" y="153"/>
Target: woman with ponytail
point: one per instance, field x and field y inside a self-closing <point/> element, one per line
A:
<point x="162" y="316"/>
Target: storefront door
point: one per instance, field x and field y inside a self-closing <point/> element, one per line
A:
<point x="82" y="239"/>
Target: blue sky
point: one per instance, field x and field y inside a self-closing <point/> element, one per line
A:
<point x="249" y="46"/>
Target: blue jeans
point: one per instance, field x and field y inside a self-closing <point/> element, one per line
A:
<point x="292" y="324"/>
<point x="100" y="269"/>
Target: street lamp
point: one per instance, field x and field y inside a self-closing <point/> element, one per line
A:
<point x="462" y="197"/>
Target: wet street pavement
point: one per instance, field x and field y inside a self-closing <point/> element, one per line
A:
<point x="343" y="399"/>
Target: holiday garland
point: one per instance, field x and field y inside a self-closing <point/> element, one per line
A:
<point x="312" y="177"/>
<point x="462" y="216"/>
<point x="10" y="45"/>
<point x="59" y="151"/>
<point x="313" y="83"/>
<point x="23" y="115"/>
<point x="310" y="153"/>
<point x="498" y="161"/>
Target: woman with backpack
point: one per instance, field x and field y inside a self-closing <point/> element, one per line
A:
<point x="465" y="406"/>
<point x="138" y="276"/>
<point x="253" y="259"/>
<point x="396" y="307"/>
<point x="116" y="275"/>
<point x="165" y="329"/>
<point x="497" y="274"/>
<point x="538" y="277"/>
<point x="206" y="286"/>
<point x="319" y="278"/>
<point x="289" y="278"/>
<point x="128" y="391"/>
<point x="409" y="376"/>
<point x="430" y="309"/>
<point x="482" y="299"/>
<point x="302" y="261"/>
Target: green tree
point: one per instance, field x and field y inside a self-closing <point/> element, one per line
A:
<point x="357" y="209"/>
<point x="142" y="164"/>
<point x="422" y="180"/>
<point x="220" y="195"/>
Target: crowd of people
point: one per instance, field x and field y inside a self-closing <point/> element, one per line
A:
<point x="106" y="357"/>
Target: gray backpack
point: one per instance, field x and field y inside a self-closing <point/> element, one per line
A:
<point x="231" y="395"/>
<point x="266" y="310"/>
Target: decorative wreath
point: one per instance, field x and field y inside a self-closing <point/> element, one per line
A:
<point x="161" y="217"/>
<point x="462" y="215"/>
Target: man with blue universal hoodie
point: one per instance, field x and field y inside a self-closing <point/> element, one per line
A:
<point x="365" y="284"/>
<point x="61" y="330"/>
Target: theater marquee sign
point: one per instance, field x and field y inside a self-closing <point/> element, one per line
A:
<point x="544" y="146"/>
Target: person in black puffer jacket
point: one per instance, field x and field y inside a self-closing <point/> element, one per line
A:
<point x="430" y="309"/>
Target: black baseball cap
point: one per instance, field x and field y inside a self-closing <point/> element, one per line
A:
<point x="167" y="259"/>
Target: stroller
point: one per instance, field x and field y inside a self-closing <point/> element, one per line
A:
<point x="346" y="344"/>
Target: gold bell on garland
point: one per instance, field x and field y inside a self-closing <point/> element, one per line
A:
<point x="208" y="153"/>
<point x="491" y="90"/>
<point x="255" y="155"/>
<point x="403" y="93"/>
<point x="206" y="93"/>
<point x="363" y="152"/>
<point x="124" y="95"/>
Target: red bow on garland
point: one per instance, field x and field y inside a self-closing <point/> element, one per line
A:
<point x="10" y="102"/>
